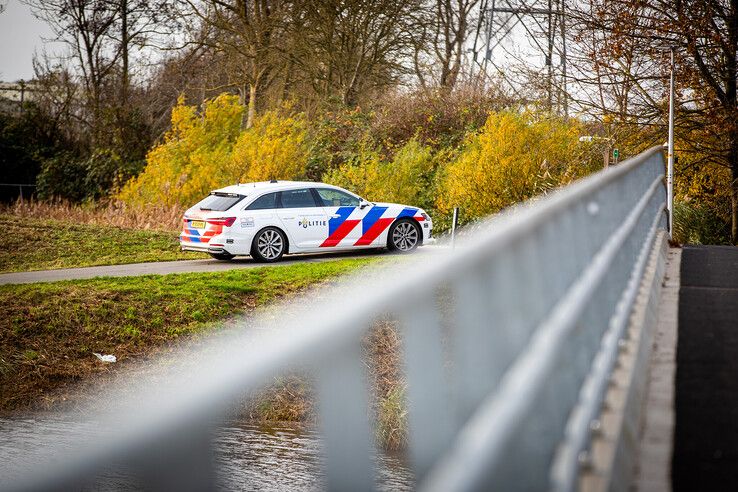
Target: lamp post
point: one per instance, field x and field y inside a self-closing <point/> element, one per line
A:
<point x="670" y="151"/>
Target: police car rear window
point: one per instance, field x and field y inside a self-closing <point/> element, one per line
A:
<point x="219" y="202"/>
<point x="264" y="202"/>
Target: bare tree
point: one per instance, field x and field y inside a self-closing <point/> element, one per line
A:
<point x="629" y="44"/>
<point x="99" y="35"/>
<point x="442" y="29"/>
<point x="139" y="25"/>
<point x="248" y="33"/>
<point x="350" y="49"/>
<point x="85" y="26"/>
<point x="57" y="97"/>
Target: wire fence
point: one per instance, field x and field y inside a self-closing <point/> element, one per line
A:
<point x="20" y="187"/>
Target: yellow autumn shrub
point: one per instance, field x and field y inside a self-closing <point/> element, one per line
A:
<point x="404" y="179"/>
<point x="207" y="149"/>
<point x="274" y="148"/>
<point x="188" y="164"/>
<point x="512" y="158"/>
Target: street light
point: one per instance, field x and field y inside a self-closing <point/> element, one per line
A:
<point x="670" y="151"/>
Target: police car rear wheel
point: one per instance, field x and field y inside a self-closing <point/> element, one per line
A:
<point x="404" y="236"/>
<point x="269" y="245"/>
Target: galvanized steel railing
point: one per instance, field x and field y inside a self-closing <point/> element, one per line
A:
<point x="509" y="343"/>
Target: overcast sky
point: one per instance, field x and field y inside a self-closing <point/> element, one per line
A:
<point x="20" y="36"/>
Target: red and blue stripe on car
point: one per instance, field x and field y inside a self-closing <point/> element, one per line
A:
<point x="372" y="224"/>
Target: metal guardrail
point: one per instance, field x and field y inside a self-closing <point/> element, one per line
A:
<point x="509" y="343"/>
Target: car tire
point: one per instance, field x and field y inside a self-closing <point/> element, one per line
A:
<point x="404" y="236"/>
<point x="269" y="245"/>
<point x="222" y="256"/>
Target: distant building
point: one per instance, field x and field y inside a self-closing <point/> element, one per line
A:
<point x="14" y="94"/>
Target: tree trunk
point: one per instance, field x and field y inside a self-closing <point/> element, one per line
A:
<point x="252" y="106"/>
<point x="734" y="199"/>
<point x="731" y="96"/>
<point x="248" y="116"/>
<point x="124" y="41"/>
<point x="732" y="158"/>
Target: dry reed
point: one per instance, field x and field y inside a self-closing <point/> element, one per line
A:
<point x="111" y="213"/>
<point x="292" y="398"/>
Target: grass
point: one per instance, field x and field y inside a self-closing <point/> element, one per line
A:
<point x="695" y="224"/>
<point x="37" y="244"/>
<point x="49" y="331"/>
<point x="383" y="347"/>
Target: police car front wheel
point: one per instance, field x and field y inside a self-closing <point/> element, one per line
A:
<point x="404" y="236"/>
<point x="269" y="245"/>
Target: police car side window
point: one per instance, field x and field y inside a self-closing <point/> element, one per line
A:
<point x="336" y="198"/>
<point x="264" y="202"/>
<point x="300" y="198"/>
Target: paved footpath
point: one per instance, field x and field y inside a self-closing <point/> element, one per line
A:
<point x="706" y="430"/>
<point x="191" y="266"/>
<point x="166" y="267"/>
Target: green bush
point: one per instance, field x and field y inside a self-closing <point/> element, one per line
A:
<point x="405" y="179"/>
<point x="107" y="171"/>
<point x="25" y="141"/>
<point x="697" y="224"/>
<point x="72" y="177"/>
<point x="62" y="176"/>
<point x="335" y="138"/>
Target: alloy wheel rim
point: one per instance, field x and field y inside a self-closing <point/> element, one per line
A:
<point x="270" y="244"/>
<point x="405" y="236"/>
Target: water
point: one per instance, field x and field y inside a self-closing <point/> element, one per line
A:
<point x="248" y="457"/>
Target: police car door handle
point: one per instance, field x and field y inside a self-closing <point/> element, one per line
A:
<point x="335" y="216"/>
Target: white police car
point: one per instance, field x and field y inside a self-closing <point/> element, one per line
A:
<point x="270" y="219"/>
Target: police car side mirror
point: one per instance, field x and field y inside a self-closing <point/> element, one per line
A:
<point x="363" y="204"/>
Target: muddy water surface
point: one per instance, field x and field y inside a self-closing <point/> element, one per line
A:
<point x="248" y="457"/>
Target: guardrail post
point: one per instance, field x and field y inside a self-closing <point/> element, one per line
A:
<point x="430" y="417"/>
<point x="342" y="393"/>
<point x="453" y="226"/>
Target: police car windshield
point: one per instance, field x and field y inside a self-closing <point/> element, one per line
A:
<point x="219" y="202"/>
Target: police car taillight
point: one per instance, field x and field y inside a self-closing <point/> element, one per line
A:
<point x="223" y="221"/>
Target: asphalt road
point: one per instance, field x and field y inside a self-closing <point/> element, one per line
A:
<point x="706" y="431"/>
<point x="182" y="266"/>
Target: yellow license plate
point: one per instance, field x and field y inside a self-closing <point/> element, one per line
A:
<point x="197" y="224"/>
